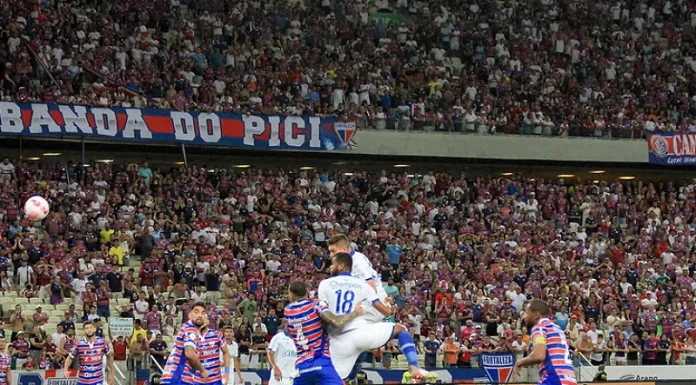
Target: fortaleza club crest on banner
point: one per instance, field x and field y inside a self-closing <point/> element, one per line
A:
<point x="498" y="366"/>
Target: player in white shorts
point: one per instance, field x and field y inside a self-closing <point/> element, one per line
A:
<point x="342" y="292"/>
<point x="233" y="350"/>
<point x="362" y="269"/>
<point x="282" y="355"/>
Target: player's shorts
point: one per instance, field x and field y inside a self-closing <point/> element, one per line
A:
<point x="283" y="381"/>
<point x="319" y="371"/>
<point x="346" y="347"/>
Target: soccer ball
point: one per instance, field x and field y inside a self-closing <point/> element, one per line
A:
<point x="36" y="208"/>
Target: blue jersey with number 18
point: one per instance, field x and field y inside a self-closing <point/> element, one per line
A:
<point x="342" y="293"/>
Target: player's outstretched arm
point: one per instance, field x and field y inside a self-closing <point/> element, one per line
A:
<point x="339" y="321"/>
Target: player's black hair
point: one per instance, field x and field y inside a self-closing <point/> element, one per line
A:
<point x="540" y="306"/>
<point x="84" y="325"/>
<point x="345" y="259"/>
<point x="298" y="289"/>
<point x="197" y="304"/>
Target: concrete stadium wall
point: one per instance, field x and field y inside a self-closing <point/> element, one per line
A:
<point x="372" y="142"/>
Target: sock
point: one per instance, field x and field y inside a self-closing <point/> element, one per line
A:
<point x="408" y="348"/>
<point x="354" y="372"/>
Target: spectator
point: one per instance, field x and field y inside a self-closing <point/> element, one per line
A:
<point x="40" y="318"/>
<point x="259" y="343"/>
<point x="37" y="341"/>
<point x="431" y="346"/>
<point x="138" y="350"/>
<point x="103" y="295"/>
<point x="17" y="322"/>
<point x="153" y="320"/>
<point x="120" y="346"/>
<point x="450" y="352"/>
<point x="158" y="350"/>
<point x="20" y="350"/>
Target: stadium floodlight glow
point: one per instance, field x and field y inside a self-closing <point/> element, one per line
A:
<point x="241" y="165"/>
<point x="339" y="163"/>
<point x="627" y="177"/>
<point x="401" y="165"/>
<point x="597" y="172"/>
<point x="211" y="170"/>
<point x="565" y="176"/>
<point x="348" y="173"/>
<point x="33" y="158"/>
<point x="52" y="154"/>
<point x="508" y="174"/>
<point x="307" y="168"/>
<point x="595" y="181"/>
<point x="104" y="160"/>
<point x="179" y="163"/>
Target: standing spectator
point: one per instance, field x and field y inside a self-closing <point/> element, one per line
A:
<point x="432" y="346"/>
<point x="103" y="300"/>
<point x="120" y="346"/>
<point x="67" y="344"/>
<point x="68" y="322"/>
<point x="25" y="273"/>
<point x="450" y="352"/>
<point x="137" y="331"/>
<point x="650" y="346"/>
<point x="138" y="352"/>
<point x="56" y="289"/>
<point x="21" y="350"/>
<point x="272" y="322"/>
<point x="259" y="343"/>
<point x="153" y="320"/>
<point x="248" y="307"/>
<point x="141" y="306"/>
<point x="40" y="317"/>
<point x="158" y="350"/>
<point x="17" y="322"/>
<point x="634" y="350"/>
<point x="57" y="336"/>
<point x="519" y="347"/>
<point x="7" y="170"/>
<point x="37" y="340"/>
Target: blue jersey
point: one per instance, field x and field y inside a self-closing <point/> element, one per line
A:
<point x="306" y="329"/>
<point x="91" y="360"/>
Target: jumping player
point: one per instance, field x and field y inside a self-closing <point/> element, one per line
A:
<point x="549" y="348"/>
<point x="210" y="348"/>
<point x="90" y="352"/>
<point x="342" y="292"/>
<point x="183" y="360"/>
<point x="362" y="269"/>
<point x="306" y="319"/>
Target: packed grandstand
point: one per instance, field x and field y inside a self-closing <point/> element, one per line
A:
<point x="590" y="68"/>
<point x="460" y="256"/>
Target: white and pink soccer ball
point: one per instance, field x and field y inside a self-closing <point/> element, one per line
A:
<point x="36" y="208"/>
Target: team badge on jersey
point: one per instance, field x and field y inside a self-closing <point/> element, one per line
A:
<point x="499" y="366"/>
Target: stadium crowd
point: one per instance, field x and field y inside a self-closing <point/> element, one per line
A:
<point x="458" y="255"/>
<point x="592" y="68"/>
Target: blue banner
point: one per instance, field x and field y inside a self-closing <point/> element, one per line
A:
<point x="673" y="149"/>
<point x="161" y="126"/>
